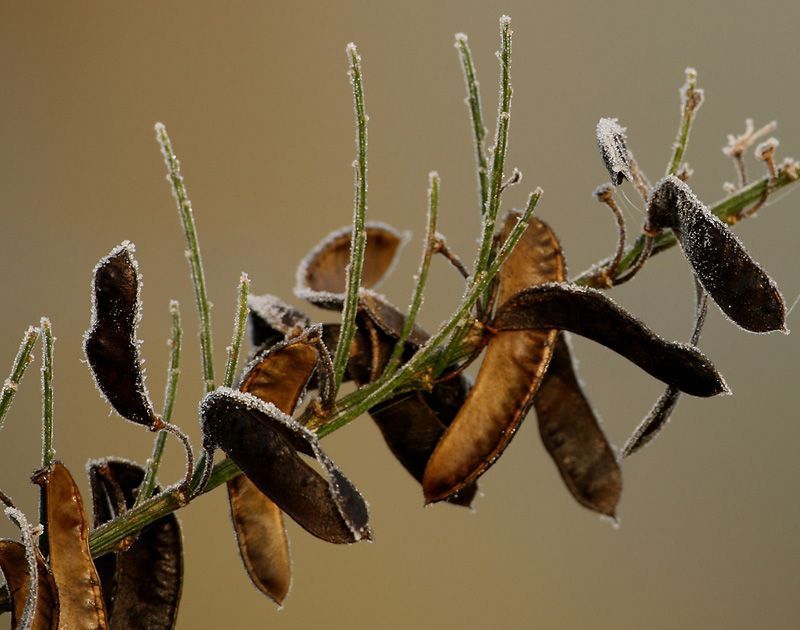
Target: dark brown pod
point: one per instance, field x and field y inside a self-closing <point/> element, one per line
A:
<point x="272" y="320"/>
<point x="141" y="585"/>
<point x="262" y="441"/>
<point x="591" y="314"/>
<point x="572" y="435"/>
<point x="739" y="286"/>
<point x="80" y="598"/>
<point x="278" y="376"/>
<point x="16" y="570"/>
<point x="322" y="275"/>
<point x="111" y="347"/>
<point x="511" y="372"/>
<point x="613" y="150"/>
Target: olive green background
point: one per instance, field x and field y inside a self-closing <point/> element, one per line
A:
<point x="256" y="98"/>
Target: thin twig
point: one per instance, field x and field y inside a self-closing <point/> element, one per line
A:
<point x="605" y="194"/>
<point x="21" y="362"/>
<point x="238" y="331"/>
<point x="440" y="247"/>
<point x="691" y="100"/>
<point x="48" y="454"/>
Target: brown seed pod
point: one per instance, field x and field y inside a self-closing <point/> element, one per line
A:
<point x="264" y="443"/>
<point x="80" y="598"/>
<point x="613" y="150"/>
<point x="110" y="343"/>
<point x="739" y="286"/>
<point x="272" y="320"/>
<point x="509" y="376"/>
<point x="593" y="315"/>
<point x="16" y="570"/>
<point x="322" y="276"/>
<point x="141" y="585"/>
<point x="572" y="435"/>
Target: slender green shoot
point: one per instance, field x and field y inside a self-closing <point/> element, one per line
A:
<point x="359" y="237"/>
<point x="691" y="100"/>
<point x="21" y="362"/>
<point x="476" y="114"/>
<point x="421" y="277"/>
<point x="48" y="454"/>
<point x="238" y="331"/>
<point x="192" y="253"/>
<point x="173" y="374"/>
<point x="499" y="150"/>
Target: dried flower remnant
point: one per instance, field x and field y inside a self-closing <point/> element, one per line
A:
<point x="613" y="150"/>
<point x="110" y="343"/>
<point x="80" y="598"/>
<point x="141" y="584"/>
<point x="264" y="443"/>
<point x="16" y="570"/>
<point x="739" y="286"/>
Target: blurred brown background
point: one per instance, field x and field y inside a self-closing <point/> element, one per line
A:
<point x="256" y="98"/>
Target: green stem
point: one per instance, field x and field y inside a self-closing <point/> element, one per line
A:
<point x="173" y="374"/>
<point x="476" y="115"/>
<point x="422" y="275"/>
<point x="48" y="454"/>
<point x="691" y="99"/>
<point x="359" y="236"/>
<point x="192" y="253"/>
<point x="21" y="362"/>
<point x="238" y="331"/>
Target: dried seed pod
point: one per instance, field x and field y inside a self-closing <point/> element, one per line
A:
<point x="80" y="598"/>
<point x="572" y="435"/>
<point x="16" y="570"/>
<point x="141" y="585"/>
<point x="322" y="275"/>
<point x="739" y="286"/>
<point x="613" y="150"/>
<point x="509" y="376"/>
<point x="593" y="315"/>
<point x="263" y="442"/>
<point x="110" y="343"/>
<point x="272" y="320"/>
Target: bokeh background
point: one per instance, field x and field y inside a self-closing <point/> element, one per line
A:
<point x="256" y="98"/>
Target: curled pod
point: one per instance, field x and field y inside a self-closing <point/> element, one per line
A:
<point x="272" y="320"/>
<point x="572" y="435"/>
<point x="511" y="372"/>
<point x="141" y="585"/>
<point x="80" y="598"/>
<point x="111" y="347"/>
<point x="591" y="314"/>
<point x="322" y="274"/>
<point x="17" y="570"/>
<point x="264" y="442"/>
<point x="736" y="282"/>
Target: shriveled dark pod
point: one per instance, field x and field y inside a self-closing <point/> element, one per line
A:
<point x="272" y="320"/>
<point x="141" y="585"/>
<point x="263" y="442"/>
<point x="322" y="274"/>
<point x="572" y="435"/>
<point x="16" y="570"/>
<point x="613" y="150"/>
<point x="510" y="374"/>
<point x="593" y="315"/>
<point x="111" y="347"/>
<point x="738" y="284"/>
<point x="80" y="598"/>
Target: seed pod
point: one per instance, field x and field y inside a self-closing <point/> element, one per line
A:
<point x="739" y="286"/>
<point x="572" y="435"/>
<point x="591" y="314"/>
<point x="110" y="343"/>
<point x="322" y="275"/>
<point x="80" y="598"/>
<point x="613" y="150"/>
<point x="141" y="585"/>
<point x="509" y="376"/>
<point x="16" y="570"/>
<point x="272" y="320"/>
<point x="264" y="442"/>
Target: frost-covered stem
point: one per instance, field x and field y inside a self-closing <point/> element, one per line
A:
<point x="476" y="114"/>
<point x="192" y="253"/>
<point x="185" y="484"/>
<point x="359" y="237"/>
<point x="173" y="374"/>
<point x="498" y="151"/>
<point x="48" y="453"/>
<point x="238" y="331"/>
<point x="421" y="277"/>
<point x="691" y="99"/>
<point x="728" y="210"/>
<point x="21" y="362"/>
